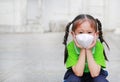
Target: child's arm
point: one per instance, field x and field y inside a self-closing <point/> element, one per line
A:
<point x="78" y="69"/>
<point x="93" y="66"/>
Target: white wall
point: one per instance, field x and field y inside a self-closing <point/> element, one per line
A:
<point x="11" y="12"/>
<point x="32" y="10"/>
<point x="114" y="14"/>
<point x="43" y="12"/>
<point x="6" y="12"/>
<point x="54" y="10"/>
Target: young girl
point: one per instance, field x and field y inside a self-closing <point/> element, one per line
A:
<point x="85" y="56"/>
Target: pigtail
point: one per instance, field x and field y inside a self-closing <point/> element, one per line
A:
<point x="99" y="25"/>
<point x="66" y="33"/>
<point x="65" y="41"/>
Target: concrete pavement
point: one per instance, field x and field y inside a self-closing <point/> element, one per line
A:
<point x="35" y="57"/>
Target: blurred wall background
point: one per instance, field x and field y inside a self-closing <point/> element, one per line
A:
<point x="25" y="46"/>
<point x="52" y="15"/>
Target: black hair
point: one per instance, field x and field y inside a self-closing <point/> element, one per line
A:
<point x="97" y="26"/>
<point x="101" y="37"/>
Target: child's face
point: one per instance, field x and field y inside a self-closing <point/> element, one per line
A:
<point x="85" y="28"/>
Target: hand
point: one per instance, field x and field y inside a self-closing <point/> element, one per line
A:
<point x="76" y="43"/>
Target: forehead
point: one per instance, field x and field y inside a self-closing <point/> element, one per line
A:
<point x="85" y="25"/>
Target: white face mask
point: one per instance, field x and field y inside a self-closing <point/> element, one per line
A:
<point x="84" y="39"/>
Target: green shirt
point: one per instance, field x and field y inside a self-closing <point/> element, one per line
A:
<point x="74" y="51"/>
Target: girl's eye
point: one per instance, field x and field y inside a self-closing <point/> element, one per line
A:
<point x="80" y="32"/>
<point x="89" y="32"/>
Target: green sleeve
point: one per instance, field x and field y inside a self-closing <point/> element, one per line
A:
<point x="99" y="55"/>
<point x="72" y="56"/>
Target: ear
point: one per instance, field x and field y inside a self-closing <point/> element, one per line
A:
<point x="72" y="33"/>
<point x="97" y="34"/>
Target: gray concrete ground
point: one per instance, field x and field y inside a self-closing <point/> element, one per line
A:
<point x="37" y="57"/>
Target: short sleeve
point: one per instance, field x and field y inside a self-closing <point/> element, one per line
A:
<point x="72" y="56"/>
<point x="99" y="55"/>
